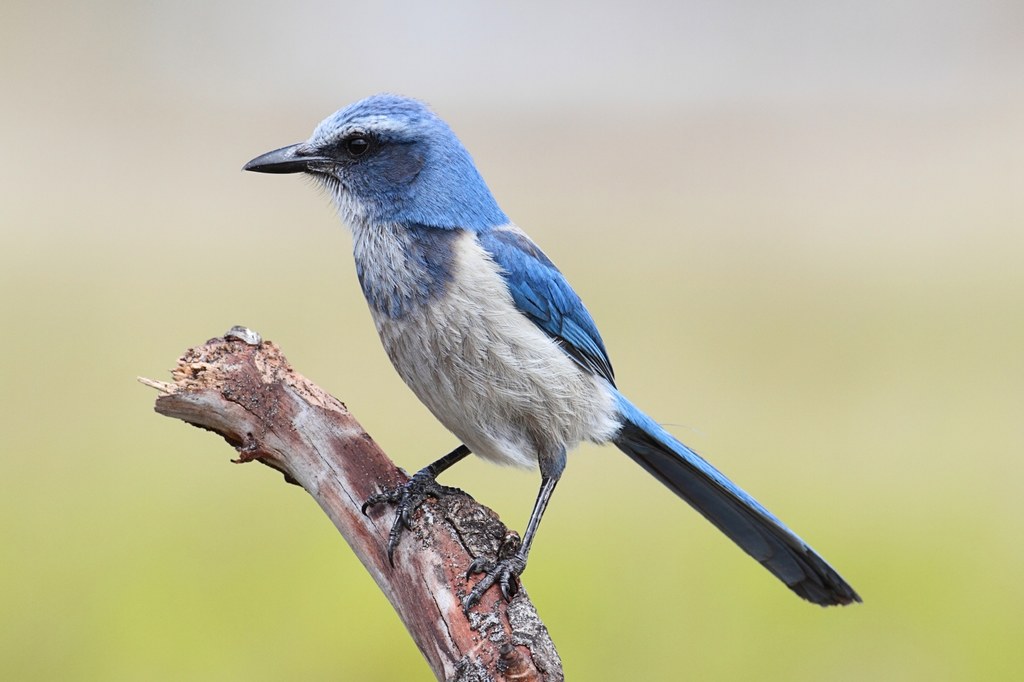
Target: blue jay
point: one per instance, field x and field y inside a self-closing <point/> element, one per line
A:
<point x="489" y="335"/>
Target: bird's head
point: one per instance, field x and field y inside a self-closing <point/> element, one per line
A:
<point x="391" y="159"/>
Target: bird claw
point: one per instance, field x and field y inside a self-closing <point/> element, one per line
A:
<point x="407" y="498"/>
<point x="505" y="571"/>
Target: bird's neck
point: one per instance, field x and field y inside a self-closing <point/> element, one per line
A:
<point x="403" y="266"/>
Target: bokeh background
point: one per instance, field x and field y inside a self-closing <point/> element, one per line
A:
<point x="800" y="226"/>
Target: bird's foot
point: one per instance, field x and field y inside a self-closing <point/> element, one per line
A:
<point x="505" y="571"/>
<point x="407" y="498"/>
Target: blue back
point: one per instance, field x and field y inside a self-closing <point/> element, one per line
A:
<point x="542" y="293"/>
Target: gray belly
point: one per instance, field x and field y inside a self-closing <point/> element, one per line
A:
<point x="497" y="381"/>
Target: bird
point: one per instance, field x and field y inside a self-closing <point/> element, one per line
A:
<point x="488" y="333"/>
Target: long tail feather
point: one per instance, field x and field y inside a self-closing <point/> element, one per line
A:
<point x="759" y="533"/>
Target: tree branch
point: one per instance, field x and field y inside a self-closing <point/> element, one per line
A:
<point x="245" y="390"/>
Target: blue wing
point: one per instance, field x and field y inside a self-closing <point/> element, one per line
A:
<point x="541" y="293"/>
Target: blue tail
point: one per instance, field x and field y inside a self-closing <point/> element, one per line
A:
<point x="732" y="510"/>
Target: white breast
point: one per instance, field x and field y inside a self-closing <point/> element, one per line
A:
<point x="491" y="376"/>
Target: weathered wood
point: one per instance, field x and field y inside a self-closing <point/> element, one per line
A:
<point x="244" y="389"/>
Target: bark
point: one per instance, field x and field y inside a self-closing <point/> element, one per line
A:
<point x="244" y="389"/>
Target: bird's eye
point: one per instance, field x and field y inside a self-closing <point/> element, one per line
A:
<point x="357" y="146"/>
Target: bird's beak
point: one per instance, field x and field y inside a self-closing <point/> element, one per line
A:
<point x="290" y="159"/>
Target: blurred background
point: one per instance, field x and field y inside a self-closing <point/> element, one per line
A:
<point x="799" y="225"/>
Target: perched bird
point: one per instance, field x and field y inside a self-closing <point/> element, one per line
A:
<point x="488" y="333"/>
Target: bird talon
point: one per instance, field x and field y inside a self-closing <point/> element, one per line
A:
<point x="407" y="498"/>
<point x="505" y="572"/>
<point x="478" y="565"/>
<point x="509" y="587"/>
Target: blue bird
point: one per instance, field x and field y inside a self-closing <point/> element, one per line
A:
<point x="489" y="335"/>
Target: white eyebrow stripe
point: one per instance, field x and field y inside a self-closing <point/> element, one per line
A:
<point x="367" y="124"/>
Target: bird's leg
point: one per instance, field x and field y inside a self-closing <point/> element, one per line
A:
<point x="511" y="560"/>
<point x="410" y="495"/>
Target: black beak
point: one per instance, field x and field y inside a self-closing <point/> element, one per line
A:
<point x="288" y="159"/>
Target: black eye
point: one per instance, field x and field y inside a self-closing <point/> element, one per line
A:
<point x="357" y="146"/>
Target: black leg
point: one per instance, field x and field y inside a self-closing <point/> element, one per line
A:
<point x="408" y="497"/>
<point x="511" y="561"/>
<point x="455" y="456"/>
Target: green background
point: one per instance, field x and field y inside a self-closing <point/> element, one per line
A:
<point x="800" y="227"/>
